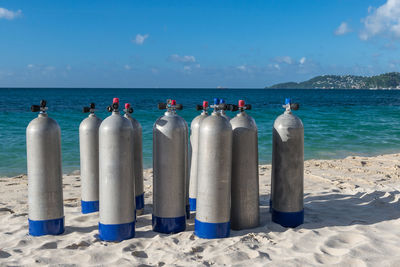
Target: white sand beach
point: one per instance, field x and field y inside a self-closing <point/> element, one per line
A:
<point x="352" y="218"/>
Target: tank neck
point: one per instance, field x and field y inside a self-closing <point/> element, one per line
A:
<point x="216" y="113"/>
<point x="204" y="112"/>
<point x="92" y="115"/>
<point x="42" y="114"/>
<point x="170" y="112"/>
<point x="115" y="112"/>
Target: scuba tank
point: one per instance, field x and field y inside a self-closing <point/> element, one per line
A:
<point x="117" y="197"/>
<point x="245" y="181"/>
<point x="45" y="189"/>
<point x="194" y="145"/>
<point x="214" y="176"/>
<point x="287" y="175"/>
<point x="170" y="170"/>
<point x="137" y="159"/>
<point x="89" y="157"/>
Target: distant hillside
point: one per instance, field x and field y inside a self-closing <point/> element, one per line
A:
<point x="384" y="81"/>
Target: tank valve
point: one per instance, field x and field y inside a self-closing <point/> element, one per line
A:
<point x="42" y="107"/>
<point x="290" y="106"/>
<point x="242" y="106"/>
<point x="90" y="109"/>
<point x="128" y="108"/>
<point x="203" y="107"/>
<point x="114" y="106"/>
<point x="170" y="105"/>
<point x="219" y="105"/>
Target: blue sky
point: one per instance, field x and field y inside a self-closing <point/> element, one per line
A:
<point x="180" y="44"/>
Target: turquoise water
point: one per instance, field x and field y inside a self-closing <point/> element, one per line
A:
<point x="337" y="123"/>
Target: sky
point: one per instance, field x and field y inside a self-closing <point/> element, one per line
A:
<point x="194" y="44"/>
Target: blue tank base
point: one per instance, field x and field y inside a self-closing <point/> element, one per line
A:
<point x="211" y="230"/>
<point x="139" y="202"/>
<point x="288" y="219"/>
<point x="187" y="211"/>
<point x="89" y="206"/>
<point x="46" y="227"/>
<point x="117" y="232"/>
<point x="192" y="204"/>
<point x="168" y="225"/>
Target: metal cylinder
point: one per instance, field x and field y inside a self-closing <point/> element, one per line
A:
<point x="245" y="181"/>
<point x="89" y="157"/>
<point x="214" y="177"/>
<point x="170" y="147"/>
<point x="194" y="151"/>
<point x="137" y="160"/>
<point x="117" y="198"/>
<point x="45" y="192"/>
<point x="287" y="175"/>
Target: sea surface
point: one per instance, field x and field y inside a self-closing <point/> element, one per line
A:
<point x="337" y="123"/>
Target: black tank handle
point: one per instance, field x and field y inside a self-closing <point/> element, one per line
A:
<point x="90" y="109"/>
<point x="42" y="107"/>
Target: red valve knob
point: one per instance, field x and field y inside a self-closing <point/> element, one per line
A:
<point x="205" y="104"/>
<point x="127" y="105"/>
<point x="241" y="103"/>
<point x="173" y="102"/>
<point x="116" y="100"/>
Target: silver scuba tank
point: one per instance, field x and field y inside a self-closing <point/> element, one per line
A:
<point x="214" y="176"/>
<point x="117" y="195"/>
<point x="137" y="159"/>
<point x="194" y="147"/>
<point x="45" y="192"/>
<point x="89" y="157"/>
<point x="287" y="175"/>
<point x="170" y="158"/>
<point x="245" y="181"/>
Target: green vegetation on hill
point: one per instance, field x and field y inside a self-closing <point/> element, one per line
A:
<point x="384" y="81"/>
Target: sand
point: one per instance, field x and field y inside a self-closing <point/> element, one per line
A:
<point x="352" y="218"/>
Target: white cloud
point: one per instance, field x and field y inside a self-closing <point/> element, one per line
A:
<point x="276" y="66"/>
<point x="127" y="67"/>
<point x="302" y="60"/>
<point x="8" y="14"/>
<point x="139" y="39"/>
<point x="182" y="59"/>
<point x="285" y="59"/>
<point x="242" y="68"/>
<point x="383" y="20"/>
<point x="342" y="29"/>
<point x="30" y="66"/>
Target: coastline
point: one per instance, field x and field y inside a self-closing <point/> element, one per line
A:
<point x="351" y="218"/>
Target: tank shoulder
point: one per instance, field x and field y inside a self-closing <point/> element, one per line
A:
<point x="90" y="122"/>
<point x="289" y="120"/>
<point x="115" y="122"/>
<point x="243" y="120"/>
<point x="215" y="121"/>
<point x="175" y="121"/>
<point x="43" y="122"/>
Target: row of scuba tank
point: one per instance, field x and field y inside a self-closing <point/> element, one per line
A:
<point x="215" y="174"/>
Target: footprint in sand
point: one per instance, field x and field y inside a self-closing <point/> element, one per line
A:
<point x="4" y="254"/>
<point x="82" y="244"/>
<point x="337" y="246"/>
<point x="139" y="254"/>
<point x="49" y="245"/>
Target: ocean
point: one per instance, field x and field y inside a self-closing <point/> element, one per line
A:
<point x="337" y="123"/>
